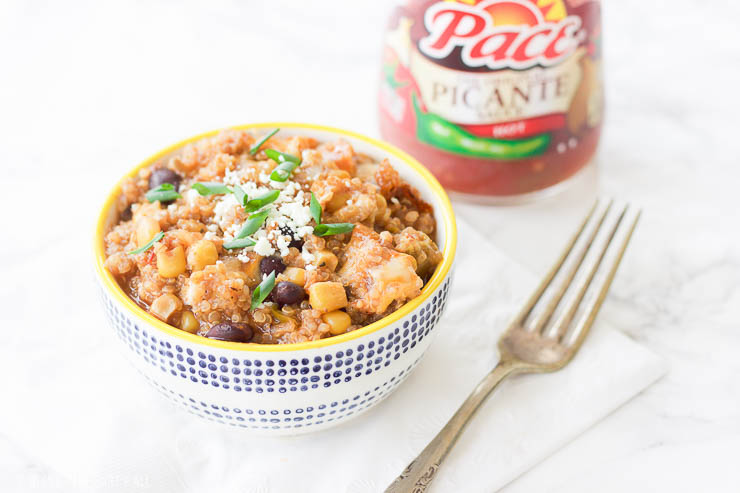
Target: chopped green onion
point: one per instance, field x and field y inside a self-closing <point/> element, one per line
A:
<point x="146" y="247"/>
<point x="283" y="171"/>
<point x="260" y="292"/>
<point x="210" y="188"/>
<point x="326" y="229"/>
<point x="239" y="243"/>
<point x="282" y="157"/>
<point x="315" y="208"/>
<point x="164" y="193"/>
<point x="253" y="223"/>
<point x="241" y="195"/>
<point x="287" y="163"/>
<point x="259" y="202"/>
<point x="255" y="149"/>
<point x="332" y="229"/>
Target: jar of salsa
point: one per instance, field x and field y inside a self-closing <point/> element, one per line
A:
<point x="500" y="99"/>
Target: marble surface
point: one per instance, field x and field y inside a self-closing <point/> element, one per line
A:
<point x="89" y="88"/>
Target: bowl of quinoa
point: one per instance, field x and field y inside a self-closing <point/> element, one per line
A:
<point x="270" y="269"/>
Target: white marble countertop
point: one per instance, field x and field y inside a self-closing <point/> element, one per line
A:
<point x="87" y="89"/>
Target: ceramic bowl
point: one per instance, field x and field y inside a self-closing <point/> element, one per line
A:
<point x="292" y="388"/>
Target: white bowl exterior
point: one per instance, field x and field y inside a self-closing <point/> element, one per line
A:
<point x="281" y="392"/>
<point x="287" y="392"/>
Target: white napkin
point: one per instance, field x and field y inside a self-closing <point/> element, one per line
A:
<point x="72" y="401"/>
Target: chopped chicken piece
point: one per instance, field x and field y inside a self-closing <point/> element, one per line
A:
<point x="346" y="200"/>
<point x="421" y="247"/>
<point x="377" y="276"/>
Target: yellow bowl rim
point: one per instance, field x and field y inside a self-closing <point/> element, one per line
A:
<point x="434" y="282"/>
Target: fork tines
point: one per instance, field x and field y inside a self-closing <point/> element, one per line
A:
<point x="576" y="285"/>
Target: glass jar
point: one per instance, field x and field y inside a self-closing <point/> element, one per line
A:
<point x="500" y="99"/>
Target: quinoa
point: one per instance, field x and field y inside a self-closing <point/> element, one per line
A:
<point x="191" y="276"/>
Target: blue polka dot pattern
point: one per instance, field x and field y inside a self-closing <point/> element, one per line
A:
<point x="312" y="415"/>
<point x="354" y="364"/>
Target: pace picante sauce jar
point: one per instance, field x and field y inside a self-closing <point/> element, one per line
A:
<point x="501" y="99"/>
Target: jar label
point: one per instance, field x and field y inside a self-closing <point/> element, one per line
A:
<point x="494" y="78"/>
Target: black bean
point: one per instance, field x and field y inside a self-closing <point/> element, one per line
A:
<point x="230" y="331"/>
<point x="164" y="175"/>
<point x="126" y="214"/>
<point x="269" y="264"/>
<point x="288" y="293"/>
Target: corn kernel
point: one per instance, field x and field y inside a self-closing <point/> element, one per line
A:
<point x="327" y="296"/>
<point x="338" y="201"/>
<point x="165" y="306"/>
<point x="296" y="275"/>
<point x="171" y="263"/>
<point x="146" y="229"/>
<point x="280" y="316"/>
<point x="382" y="207"/>
<point x="338" y="322"/>
<point x="327" y="260"/>
<point x="252" y="270"/>
<point x="201" y="254"/>
<point x="189" y="323"/>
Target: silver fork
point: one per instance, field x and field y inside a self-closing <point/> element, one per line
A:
<point x="535" y="347"/>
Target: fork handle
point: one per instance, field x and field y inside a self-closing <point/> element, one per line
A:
<point x="419" y="473"/>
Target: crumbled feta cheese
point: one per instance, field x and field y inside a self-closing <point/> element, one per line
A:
<point x="289" y="212"/>
<point x="231" y="177"/>
<point x="278" y="184"/>
<point x="304" y="231"/>
<point x="294" y="215"/>
<point x="225" y="211"/>
<point x="191" y="196"/>
<point x="307" y="256"/>
<point x="263" y="247"/>
<point x="283" y="244"/>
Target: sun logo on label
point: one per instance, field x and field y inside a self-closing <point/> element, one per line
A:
<point x="553" y="10"/>
<point x="514" y="14"/>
